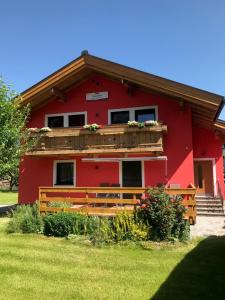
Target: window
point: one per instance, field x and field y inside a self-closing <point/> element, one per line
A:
<point x="64" y="173"/>
<point x="142" y="115"/>
<point x="66" y="120"/>
<point x="139" y="114"/>
<point x="76" y="120"/>
<point x="120" y="117"/>
<point x="55" y="121"/>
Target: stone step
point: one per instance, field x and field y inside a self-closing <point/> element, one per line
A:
<point x="220" y="210"/>
<point x="210" y="214"/>
<point x="207" y="197"/>
<point x="208" y="202"/>
<point x="211" y="205"/>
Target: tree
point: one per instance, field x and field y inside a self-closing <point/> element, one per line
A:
<point x="15" y="138"/>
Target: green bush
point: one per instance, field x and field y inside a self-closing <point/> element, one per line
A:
<point x="102" y="234"/>
<point x="63" y="223"/>
<point x="25" y="219"/>
<point x="164" y="215"/>
<point x="99" y="230"/>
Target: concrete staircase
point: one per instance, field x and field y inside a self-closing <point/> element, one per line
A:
<point x="209" y="206"/>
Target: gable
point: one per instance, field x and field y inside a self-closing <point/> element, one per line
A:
<point x="205" y="106"/>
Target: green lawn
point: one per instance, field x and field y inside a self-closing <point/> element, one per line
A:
<point x="7" y="197"/>
<point x="36" y="267"/>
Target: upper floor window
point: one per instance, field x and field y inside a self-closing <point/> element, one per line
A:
<point x="142" y="115"/>
<point x="66" y="120"/>
<point x="139" y="114"/>
<point x="55" y="121"/>
<point x="120" y="117"/>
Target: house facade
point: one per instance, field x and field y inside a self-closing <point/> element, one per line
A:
<point x="182" y="147"/>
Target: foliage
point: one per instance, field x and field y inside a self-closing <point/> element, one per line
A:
<point x="63" y="224"/>
<point x="127" y="227"/>
<point x="163" y="214"/>
<point x="15" y="139"/>
<point x="25" y="219"/>
<point x="102" y="233"/>
<point x="100" y="230"/>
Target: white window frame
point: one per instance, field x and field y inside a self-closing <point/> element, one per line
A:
<point x="132" y="112"/>
<point x="55" y="170"/>
<point x="66" y="117"/>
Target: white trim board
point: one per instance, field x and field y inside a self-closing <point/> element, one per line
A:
<point x="132" y="111"/>
<point x="66" y="117"/>
<point x="54" y="173"/>
<point x="213" y="160"/>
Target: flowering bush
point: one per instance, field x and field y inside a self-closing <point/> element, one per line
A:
<point x="163" y="214"/>
<point x="92" y="127"/>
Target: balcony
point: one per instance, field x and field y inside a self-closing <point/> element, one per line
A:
<point x="111" y="139"/>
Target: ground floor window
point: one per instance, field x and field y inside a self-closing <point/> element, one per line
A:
<point x="64" y="173"/>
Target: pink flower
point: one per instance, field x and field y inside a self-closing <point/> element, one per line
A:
<point x="143" y="197"/>
<point x="138" y="202"/>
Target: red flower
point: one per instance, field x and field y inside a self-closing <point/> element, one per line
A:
<point x="143" y="206"/>
<point x="138" y="202"/>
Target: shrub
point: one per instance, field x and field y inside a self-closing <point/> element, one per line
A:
<point x="25" y="219"/>
<point x="102" y="234"/>
<point x="163" y="214"/>
<point x="64" y="223"/>
<point x="100" y="230"/>
<point x="127" y="227"/>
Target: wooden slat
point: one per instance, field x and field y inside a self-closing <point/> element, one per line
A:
<point x="88" y="210"/>
<point x="188" y="201"/>
<point x="90" y="200"/>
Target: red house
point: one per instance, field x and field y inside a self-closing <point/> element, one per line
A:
<point x="183" y="146"/>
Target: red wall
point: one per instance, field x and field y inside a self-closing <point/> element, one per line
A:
<point x="207" y="145"/>
<point x="177" y="143"/>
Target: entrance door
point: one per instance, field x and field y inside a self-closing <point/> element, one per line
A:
<point x="203" y="177"/>
<point x="131" y="174"/>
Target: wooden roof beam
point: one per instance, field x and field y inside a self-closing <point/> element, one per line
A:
<point x="59" y="94"/>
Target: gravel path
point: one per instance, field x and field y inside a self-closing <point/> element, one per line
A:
<point x="206" y="226"/>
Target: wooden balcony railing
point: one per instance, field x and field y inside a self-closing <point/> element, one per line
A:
<point x="106" y="201"/>
<point x="110" y="139"/>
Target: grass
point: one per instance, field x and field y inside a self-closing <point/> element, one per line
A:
<point x="37" y="267"/>
<point x="8" y="197"/>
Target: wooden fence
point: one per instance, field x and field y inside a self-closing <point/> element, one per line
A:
<point x="105" y="201"/>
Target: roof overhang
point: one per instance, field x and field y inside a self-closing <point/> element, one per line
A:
<point x="205" y="105"/>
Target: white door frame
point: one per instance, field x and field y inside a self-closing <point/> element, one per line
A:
<point x="213" y="161"/>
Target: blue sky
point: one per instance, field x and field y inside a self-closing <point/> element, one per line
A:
<point x="183" y="40"/>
